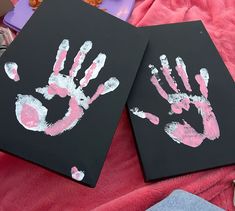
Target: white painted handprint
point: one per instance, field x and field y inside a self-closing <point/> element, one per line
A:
<point x="32" y="114"/>
<point x="183" y="133"/>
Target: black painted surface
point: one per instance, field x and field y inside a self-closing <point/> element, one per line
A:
<point x="34" y="50"/>
<point x="160" y="156"/>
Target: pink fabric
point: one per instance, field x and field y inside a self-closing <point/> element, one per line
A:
<point x="25" y="186"/>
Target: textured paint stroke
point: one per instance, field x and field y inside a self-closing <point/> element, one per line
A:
<point x="32" y="114"/>
<point x="181" y="69"/>
<point x="167" y="72"/>
<point x="93" y="71"/>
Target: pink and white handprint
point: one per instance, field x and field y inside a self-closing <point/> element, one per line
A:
<point x="179" y="101"/>
<point x="31" y="113"/>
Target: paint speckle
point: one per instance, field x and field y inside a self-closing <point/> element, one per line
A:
<point x="76" y="174"/>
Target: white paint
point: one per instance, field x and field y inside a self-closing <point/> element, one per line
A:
<point x="200" y="99"/>
<point x="166" y="70"/>
<point x="110" y="85"/>
<point x="205" y="75"/>
<point x="32" y="114"/>
<point x="76" y="174"/>
<point x="44" y="92"/>
<point x="35" y="103"/>
<point x="138" y="113"/>
<point x="11" y="69"/>
<point x="170" y="128"/>
<point x="80" y="57"/>
<point x="164" y="62"/>
<point x="154" y="70"/>
<point x="64" y="46"/>
<point x="179" y="62"/>
<point x="177" y="97"/>
<point x="181" y="69"/>
<point x="91" y="73"/>
<point x="86" y="47"/>
<point x="66" y="82"/>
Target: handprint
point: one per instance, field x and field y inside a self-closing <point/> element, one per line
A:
<point x="183" y="132"/>
<point x="32" y="114"/>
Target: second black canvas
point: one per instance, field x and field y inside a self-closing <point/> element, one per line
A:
<point x="182" y="105"/>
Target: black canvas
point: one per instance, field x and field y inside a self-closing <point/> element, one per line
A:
<point x="181" y="127"/>
<point x="47" y="116"/>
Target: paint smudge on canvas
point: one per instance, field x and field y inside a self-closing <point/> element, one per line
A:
<point x="76" y="174"/>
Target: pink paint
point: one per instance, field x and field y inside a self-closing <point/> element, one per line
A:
<point x="31" y="113"/>
<point x="178" y="107"/>
<point x="161" y="91"/>
<point x="88" y="75"/>
<point x="75" y="65"/>
<point x="211" y="127"/>
<point x="74" y="170"/>
<point x="202" y="84"/>
<point x="75" y="113"/>
<point x="76" y="174"/>
<point x="98" y="92"/>
<point x="16" y="75"/>
<point x="152" y="118"/>
<point x="185" y="134"/>
<point x="29" y="116"/>
<point x="11" y="69"/>
<point x="184" y="77"/>
<point x="166" y="72"/>
<point x="54" y="89"/>
<point x="59" y="61"/>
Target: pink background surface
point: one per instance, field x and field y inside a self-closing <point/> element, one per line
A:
<point x="25" y="186"/>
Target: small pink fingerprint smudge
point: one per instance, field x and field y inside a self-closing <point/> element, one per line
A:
<point x="76" y="174"/>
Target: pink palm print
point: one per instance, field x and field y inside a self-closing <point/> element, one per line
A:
<point x="30" y="112"/>
<point x="183" y="132"/>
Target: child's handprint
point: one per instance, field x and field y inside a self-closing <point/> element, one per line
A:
<point x="32" y="114"/>
<point x="184" y="133"/>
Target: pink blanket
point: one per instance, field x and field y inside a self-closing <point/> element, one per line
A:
<point x="121" y="186"/>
